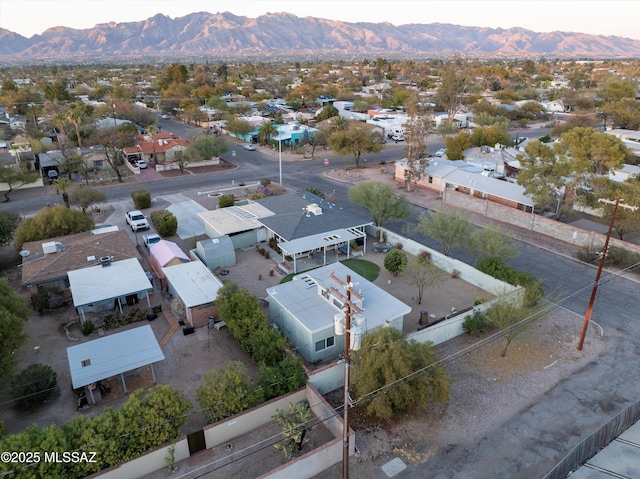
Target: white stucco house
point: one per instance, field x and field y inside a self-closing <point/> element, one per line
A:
<point x="304" y="309"/>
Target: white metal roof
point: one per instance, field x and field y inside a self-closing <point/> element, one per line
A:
<point x="100" y="283"/>
<point x="301" y="298"/>
<point x="324" y="240"/>
<point x="193" y="282"/>
<point x="235" y="219"/>
<point x="111" y="355"/>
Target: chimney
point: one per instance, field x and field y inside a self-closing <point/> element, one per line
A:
<point x="105" y="261"/>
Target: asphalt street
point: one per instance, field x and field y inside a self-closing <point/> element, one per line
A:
<point x="541" y="434"/>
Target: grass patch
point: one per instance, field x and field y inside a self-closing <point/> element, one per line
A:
<point x="364" y="268"/>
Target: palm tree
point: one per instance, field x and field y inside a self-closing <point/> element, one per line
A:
<point x="338" y="123"/>
<point x="267" y="131"/>
<point x="75" y="112"/>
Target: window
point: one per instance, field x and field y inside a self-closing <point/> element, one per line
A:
<point x="430" y="180"/>
<point x="325" y="343"/>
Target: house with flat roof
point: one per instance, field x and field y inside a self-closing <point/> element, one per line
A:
<point x="304" y="309"/>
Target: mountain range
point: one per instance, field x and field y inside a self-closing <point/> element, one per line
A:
<point x="277" y="35"/>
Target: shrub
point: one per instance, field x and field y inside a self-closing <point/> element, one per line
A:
<point x="165" y="222"/>
<point x="265" y="181"/>
<point x="475" y="324"/>
<point x="226" y="200"/>
<point x="87" y="327"/>
<point x="141" y="199"/>
<point x="395" y="261"/>
<point x="34" y="385"/>
<point x="496" y="268"/>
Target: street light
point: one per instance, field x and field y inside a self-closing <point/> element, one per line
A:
<point x="280" y="157"/>
<point x="113" y="107"/>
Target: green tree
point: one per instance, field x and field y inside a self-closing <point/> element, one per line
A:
<point x="491" y="242"/>
<point x="238" y="127"/>
<point x="395" y="261"/>
<point x="32" y="386"/>
<point x="294" y="427"/>
<point x="328" y="111"/>
<point x="15" y="176"/>
<point x="448" y="229"/>
<point x="399" y="375"/>
<point x="504" y="315"/>
<point x="266" y="132"/>
<point x="355" y="141"/>
<point x="14" y="312"/>
<point x="452" y="87"/>
<point x="457" y="144"/>
<point x="282" y="378"/>
<point x="624" y="113"/>
<point x="422" y="273"/>
<point x="490" y="136"/>
<point x="543" y="173"/>
<point x="165" y="222"/>
<point x="85" y="197"/>
<point x="8" y="223"/>
<point x="50" y="222"/>
<point x="226" y="391"/>
<point x="206" y="147"/>
<point x="380" y="200"/>
<point x="618" y="90"/>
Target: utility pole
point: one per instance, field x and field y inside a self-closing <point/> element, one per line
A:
<point x="347" y="307"/>
<point x="587" y="316"/>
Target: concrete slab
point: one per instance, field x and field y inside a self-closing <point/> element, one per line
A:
<point x="394" y="467"/>
<point x="186" y="211"/>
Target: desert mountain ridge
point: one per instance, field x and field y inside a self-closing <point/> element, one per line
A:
<point x="276" y="35"/>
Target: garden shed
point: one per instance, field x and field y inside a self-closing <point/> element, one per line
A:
<point x="216" y="252"/>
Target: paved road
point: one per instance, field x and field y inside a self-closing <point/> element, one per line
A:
<point x="543" y="432"/>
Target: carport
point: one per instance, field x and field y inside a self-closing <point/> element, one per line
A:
<point x="113" y="355"/>
<point x="107" y="282"/>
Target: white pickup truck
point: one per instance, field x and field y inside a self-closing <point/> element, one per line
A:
<point x="136" y="220"/>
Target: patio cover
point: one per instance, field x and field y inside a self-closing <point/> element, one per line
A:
<point x="102" y="283"/>
<point x="323" y="241"/>
<point x="113" y="355"/>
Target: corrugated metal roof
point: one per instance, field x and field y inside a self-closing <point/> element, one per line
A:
<point x="112" y="355"/>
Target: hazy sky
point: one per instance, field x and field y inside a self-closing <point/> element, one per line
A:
<point x="603" y="17"/>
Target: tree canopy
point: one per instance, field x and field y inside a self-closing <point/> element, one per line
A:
<point x="380" y="200"/>
<point x="395" y="375"/>
<point x="355" y="141"/>
<point x="50" y="222"/>
<point x="8" y="224"/>
<point x="14" y="312"/>
<point x="208" y="146"/>
<point x="447" y="228"/>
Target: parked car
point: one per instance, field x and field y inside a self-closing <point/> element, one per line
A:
<point x="441" y="152"/>
<point x="141" y="164"/>
<point x="151" y="239"/>
<point x="53" y="176"/>
<point x="136" y="220"/>
<point x="249" y="147"/>
<point x="165" y="116"/>
<point x="397" y="138"/>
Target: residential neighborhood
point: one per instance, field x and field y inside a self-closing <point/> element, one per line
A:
<point x="194" y="234"/>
